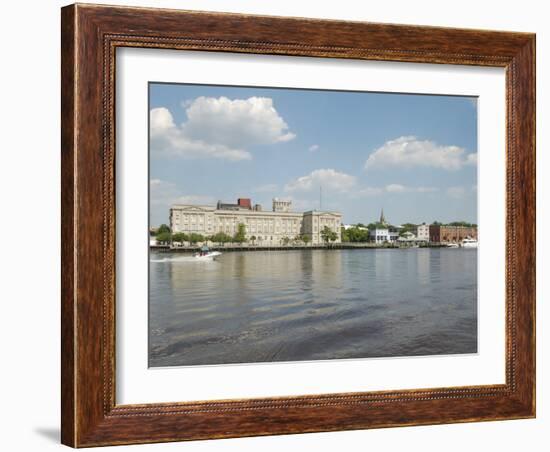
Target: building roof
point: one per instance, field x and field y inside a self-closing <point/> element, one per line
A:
<point x="248" y="212"/>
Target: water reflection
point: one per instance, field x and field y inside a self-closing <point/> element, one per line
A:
<point x="306" y="305"/>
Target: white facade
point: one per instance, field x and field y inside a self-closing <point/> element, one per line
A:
<point x="382" y="235"/>
<point x="282" y="205"/>
<point x="423" y="232"/>
<point x="267" y="228"/>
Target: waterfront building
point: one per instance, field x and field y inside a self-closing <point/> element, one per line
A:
<point x="383" y="235"/>
<point x="407" y="237"/>
<point x="423" y="232"/>
<point x="440" y="233"/>
<point x="383" y="232"/>
<point x="263" y="228"/>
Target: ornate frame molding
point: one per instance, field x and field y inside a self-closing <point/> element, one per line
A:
<point x="90" y="37"/>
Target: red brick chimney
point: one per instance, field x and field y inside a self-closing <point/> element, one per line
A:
<point x="244" y="202"/>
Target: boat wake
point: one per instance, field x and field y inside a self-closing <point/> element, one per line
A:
<point x="180" y="259"/>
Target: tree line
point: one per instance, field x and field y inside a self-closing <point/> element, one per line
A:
<point x="165" y="235"/>
<point x="456" y="223"/>
<point x="361" y="232"/>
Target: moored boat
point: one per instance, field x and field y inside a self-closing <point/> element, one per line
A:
<point x="469" y="243"/>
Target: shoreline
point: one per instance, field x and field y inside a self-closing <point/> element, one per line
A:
<point x="336" y="246"/>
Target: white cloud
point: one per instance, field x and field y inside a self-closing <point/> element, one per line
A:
<point x="368" y="191"/>
<point x="327" y="178"/>
<point x="218" y="128"/>
<point x="336" y="181"/>
<point x="163" y="193"/>
<point x="398" y="188"/>
<point x="194" y="199"/>
<point x="471" y="159"/>
<point x="409" y="151"/>
<point x="313" y="148"/>
<point x="393" y="189"/>
<point x="456" y="192"/>
<point x="301" y="205"/>
<point x="171" y="140"/>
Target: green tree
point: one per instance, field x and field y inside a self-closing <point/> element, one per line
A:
<point x="305" y="238"/>
<point x="179" y="237"/>
<point x="408" y="227"/>
<point x="357" y="234"/>
<point x="240" y="236"/>
<point x="377" y="225"/>
<point x="462" y="223"/>
<point x="195" y="238"/>
<point x="328" y="235"/>
<point x="286" y="240"/>
<point x="344" y="234"/>
<point x="164" y="237"/>
<point x="253" y="239"/>
<point x="163" y="228"/>
<point x="221" y="237"/>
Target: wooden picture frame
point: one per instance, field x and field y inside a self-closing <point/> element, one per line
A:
<point x="90" y="36"/>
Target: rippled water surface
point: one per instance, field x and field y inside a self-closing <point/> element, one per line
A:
<point x="309" y="305"/>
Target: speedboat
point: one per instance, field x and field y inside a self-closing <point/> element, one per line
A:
<point x="206" y="255"/>
<point x="469" y="243"/>
<point x="209" y="256"/>
<point x="452" y="245"/>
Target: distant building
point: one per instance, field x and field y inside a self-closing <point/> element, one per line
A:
<point x="267" y="228"/>
<point x="242" y="204"/>
<point x="451" y="234"/>
<point x="281" y="205"/>
<point x="423" y="232"/>
<point x="383" y="235"/>
<point x="408" y="237"/>
<point x="383" y="232"/>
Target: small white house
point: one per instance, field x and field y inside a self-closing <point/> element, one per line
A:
<point x="382" y="235"/>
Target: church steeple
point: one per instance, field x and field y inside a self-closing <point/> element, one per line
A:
<point x="382" y="217"/>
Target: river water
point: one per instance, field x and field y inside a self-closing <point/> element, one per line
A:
<point x="310" y="305"/>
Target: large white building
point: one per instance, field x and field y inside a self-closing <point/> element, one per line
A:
<point x="264" y="228"/>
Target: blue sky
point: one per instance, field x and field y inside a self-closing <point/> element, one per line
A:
<point x="415" y="156"/>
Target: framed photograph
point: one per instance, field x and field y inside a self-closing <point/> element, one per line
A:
<point x="282" y="225"/>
